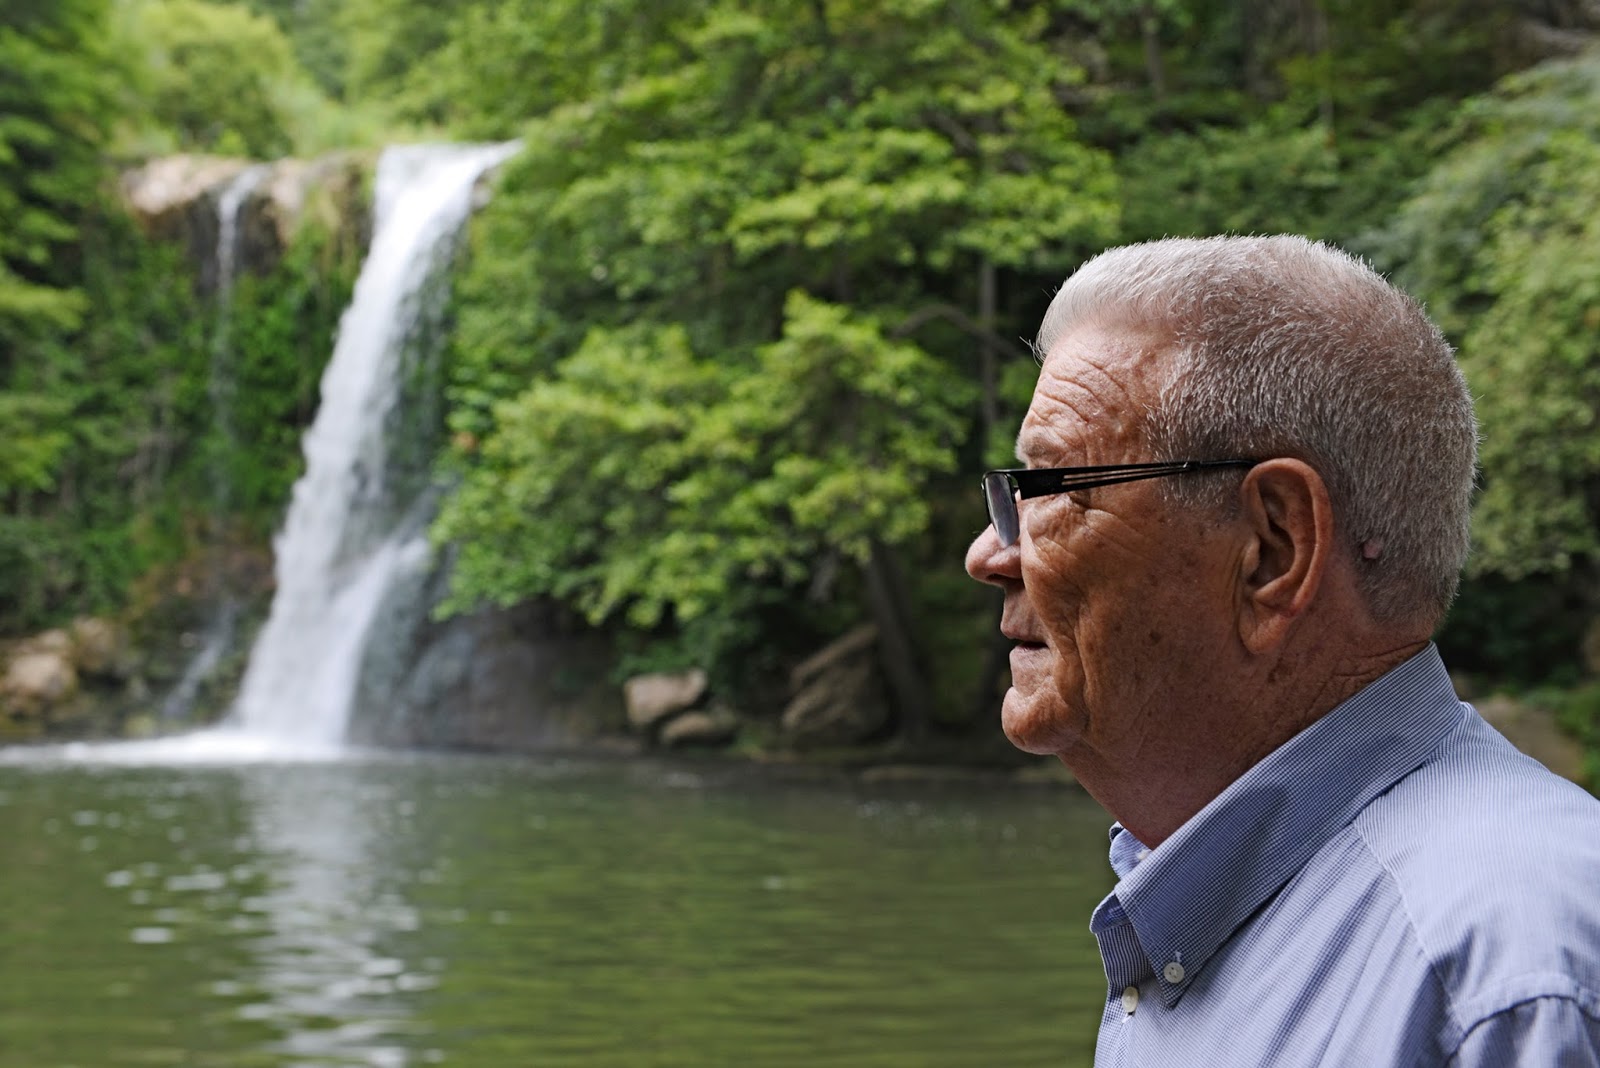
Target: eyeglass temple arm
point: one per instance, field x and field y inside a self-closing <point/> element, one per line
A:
<point x="1045" y="482"/>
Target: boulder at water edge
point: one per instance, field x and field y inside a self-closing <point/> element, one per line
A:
<point x="36" y="682"/>
<point x="652" y="699"/>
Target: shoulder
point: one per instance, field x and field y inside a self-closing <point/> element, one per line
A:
<point x="1496" y="864"/>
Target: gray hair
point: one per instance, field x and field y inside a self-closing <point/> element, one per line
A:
<point x="1283" y="346"/>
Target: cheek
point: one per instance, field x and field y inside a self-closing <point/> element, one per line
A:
<point x="1051" y="573"/>
<point x="1107" y="618"/>
<point x="1064" y="623"/>
<point x="1072" y="583"/>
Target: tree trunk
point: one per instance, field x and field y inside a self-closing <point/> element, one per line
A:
<point x="1154" y="63"/>
<point x="996" y="662"/>
<point x="1314" y="28"/>
<point x="908" y="684"/>
<point x="988" y="355"/>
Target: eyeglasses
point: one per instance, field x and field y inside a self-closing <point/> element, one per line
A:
<point x="1004" y="488"/>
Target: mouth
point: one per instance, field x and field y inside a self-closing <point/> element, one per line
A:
<point x="1021" y="641"/>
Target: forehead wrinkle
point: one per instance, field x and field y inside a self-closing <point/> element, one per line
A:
<point x="1103" y="375"/>
<point x="1072" y="417"/>
<point x="1086" y="400"/>
<point x="1056" y="418"/>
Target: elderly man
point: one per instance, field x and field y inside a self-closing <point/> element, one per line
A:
<point x="1249" y="463"/>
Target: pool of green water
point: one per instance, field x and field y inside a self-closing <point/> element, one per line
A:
<point x="489" y="912"/>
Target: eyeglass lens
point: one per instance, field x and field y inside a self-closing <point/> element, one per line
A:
<point x="1002" y="502"/>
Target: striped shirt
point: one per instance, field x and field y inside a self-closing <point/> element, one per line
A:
<point x="1395" y="885"/>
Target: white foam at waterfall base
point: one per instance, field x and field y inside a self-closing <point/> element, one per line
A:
<point x="223" y="745"/>
<point x="335" y="559"/>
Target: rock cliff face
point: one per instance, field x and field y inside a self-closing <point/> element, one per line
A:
<point x="523" y="679"/>
<point x="176" y="198"/>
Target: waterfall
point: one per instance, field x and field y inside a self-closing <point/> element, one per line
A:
<point x="230" y="204"/>
<point x="219" y="633"/>
<point x="356" y="523"/>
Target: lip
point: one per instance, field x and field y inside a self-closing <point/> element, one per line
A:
<point x="1026" y="659"/>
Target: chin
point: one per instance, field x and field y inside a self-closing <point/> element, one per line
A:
<point x="1034" y="725"/>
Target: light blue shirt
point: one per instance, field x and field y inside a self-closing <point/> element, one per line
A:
<point x="1395" y="885"/>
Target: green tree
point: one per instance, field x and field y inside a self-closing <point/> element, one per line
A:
<point x="777" y="254"/>
<point x="58" y="84"/>
<point x="1502" y="242"/>
<point x="1534" y="360"/>
<point x="695" y="478"/>
<point x="383" y="40"/>
<point x="316" y="30"/>
<point x="498" y="63"/>
<point x="1305" y="117"/>
<point x="116" y="400"/>
<point x="104" y="350"/>
<point x="218" y="78"/>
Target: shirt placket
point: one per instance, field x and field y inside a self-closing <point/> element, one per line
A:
<point x="1127" y="971"/>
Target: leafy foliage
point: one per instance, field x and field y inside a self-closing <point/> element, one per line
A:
<point x="705" y="345"/>
<point x="100" y="436"/>
<point x="57" y="91"/>
<point x="58" y="86"/>
<point x="499" y="63"/>
<point x="215" y="77"/>
<point x="1320" y="123"/>
<point x="643" y="478"/>
<point x="220" y="78"/>
<point x="320" y="42"/>
<point x="1502" y="241"/>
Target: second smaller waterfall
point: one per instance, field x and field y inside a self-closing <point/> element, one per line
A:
<point x="219" y="634"/>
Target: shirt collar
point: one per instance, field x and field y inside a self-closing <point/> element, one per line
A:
<point x="1187" y="897"/>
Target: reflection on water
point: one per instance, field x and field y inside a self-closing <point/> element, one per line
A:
<point x="327" y="920"/>
<point x="462" y="911"/>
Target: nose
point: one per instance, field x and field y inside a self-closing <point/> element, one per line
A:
<point x="989" y="561"/>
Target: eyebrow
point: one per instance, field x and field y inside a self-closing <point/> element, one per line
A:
<point x="1027" y="443"/>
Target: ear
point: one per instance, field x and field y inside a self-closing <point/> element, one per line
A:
<point x="1288" y="516"/>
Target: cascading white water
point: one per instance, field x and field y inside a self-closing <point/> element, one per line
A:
<point x="219" y="633"/>
<point x="341" y="548"/>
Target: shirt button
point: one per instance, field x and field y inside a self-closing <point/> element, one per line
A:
<point x="1130" y="999"/>
<point x="1173" y="972"/>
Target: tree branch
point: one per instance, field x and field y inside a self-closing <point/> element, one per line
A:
<point x="961" y="321"/>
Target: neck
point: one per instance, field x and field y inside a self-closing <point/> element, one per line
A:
<point x="1158" y="789"/>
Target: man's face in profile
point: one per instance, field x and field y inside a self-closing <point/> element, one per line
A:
<point x="1108" y="590"/>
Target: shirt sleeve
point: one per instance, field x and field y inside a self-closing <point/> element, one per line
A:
<point x="1549" y="1032"/>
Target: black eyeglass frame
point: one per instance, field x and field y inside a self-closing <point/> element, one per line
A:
<point x="1002" y="488"/>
